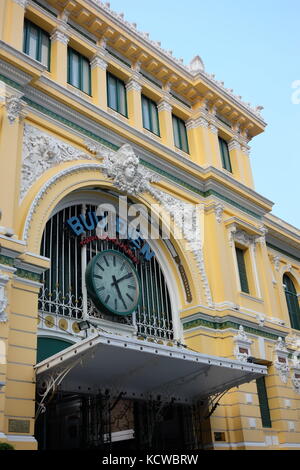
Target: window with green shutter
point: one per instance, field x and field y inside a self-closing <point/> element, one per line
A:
<point x="240" y="256"/>
<point x="116" y="94"/>
<point x="150" y="115"/>
<point x="79" y="71"/>
<point x="292" y="302"/>
<point x="36" y="43"/>
<point x="180" y="134"/>
<point x="263" y="403"/>
<point x="225" y="155"/>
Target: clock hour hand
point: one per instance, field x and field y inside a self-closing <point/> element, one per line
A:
<point x="128" y="276"/>
<point x="115" y="283"/>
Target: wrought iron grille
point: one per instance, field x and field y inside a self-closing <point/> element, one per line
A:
<point x="63" y="293"/>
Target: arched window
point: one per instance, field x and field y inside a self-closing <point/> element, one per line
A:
<point x="292" y="302"/>
<point x="62" y="293"/>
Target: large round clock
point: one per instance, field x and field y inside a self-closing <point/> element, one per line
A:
<point x="113" y="283"/>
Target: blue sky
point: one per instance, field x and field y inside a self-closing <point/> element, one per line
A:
<point x="254" y="47"/>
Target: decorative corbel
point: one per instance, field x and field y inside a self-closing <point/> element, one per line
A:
<point x="281" y="360"/>
<point x="3" y="297"/>
<point x="242" y="345"/>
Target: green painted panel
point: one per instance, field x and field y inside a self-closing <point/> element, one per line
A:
<point x="49" y="346"/>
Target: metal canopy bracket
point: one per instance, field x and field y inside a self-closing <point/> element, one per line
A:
<point x="142" y="370"/>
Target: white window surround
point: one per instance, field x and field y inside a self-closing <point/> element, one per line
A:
<point x="247" y="236"/>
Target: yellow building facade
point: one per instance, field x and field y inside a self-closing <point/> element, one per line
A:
<point x="83" y="92"/>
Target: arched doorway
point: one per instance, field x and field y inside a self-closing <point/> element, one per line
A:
<point x="64" y="294"/>
<point x="88" y="420"/>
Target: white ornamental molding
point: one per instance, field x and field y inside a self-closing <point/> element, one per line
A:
<point x="219" y="211"/>
<point x="22" y="3"/>
<point x="3" y="297"/>
<point x="195" y="123"/>
<point x="60" y="36"/>
<point x="289" y="268"/>
<point x="293" y="341"/>
<point x="234" y="145"/>
<point x="164" y="106"/>
<point x="14" y="107"/>
<point x="281" y="360"/>
<point x="242" y="237"/>
<point x="133" y="85"/>
<point x="99" y="62"/>
<point x="261" y="319"/>
<point x="42" y="151"/>
<point x="128" y="175"/>
<point x="276" y="261"/>
<point x="296" y="373"/>
<point x="246" y="150"/>
<point x="242" y="345"/>
<point x="213" y="129"/>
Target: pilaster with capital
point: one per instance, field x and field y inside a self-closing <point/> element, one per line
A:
<point x="165" y="118"/>
<point x="198" y="135"/>
<point x="234" y="148"/>
<point x="11" y="21"/>
<point x="99" y="77"/>
<point x="4" y="278"/>
<point x="12" y="113"/>
<point x="134" y="97"/>
<point x="214" y="144"/>
<point x="59" y="52"/>
<point x="248" y="174"/>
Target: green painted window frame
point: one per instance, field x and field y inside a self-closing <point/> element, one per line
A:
<point x="263" y="402"/>
<point x="28" y="27"/>
<point x="225" y="154"/>
<point x="240" y="257"/>
<point x="120" y="90"/>
<point x="180" y="134"/>
<point x="82" y="59"/>
<point x="151" y="109"/>
<point x="292" y="302"/>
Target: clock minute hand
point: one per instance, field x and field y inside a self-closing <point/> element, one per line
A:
<point x="115" y="283"/>
<point x="127" y="276"/>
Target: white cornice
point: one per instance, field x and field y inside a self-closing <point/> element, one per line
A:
<point x="51" y="104"/>
<point x="22" y="3"/>
<point x="280" y="224"/>
<point x="15" y="74"/>
<point x="105" y="10"/>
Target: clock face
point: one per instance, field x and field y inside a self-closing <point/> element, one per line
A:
<point x="113" y="283"/>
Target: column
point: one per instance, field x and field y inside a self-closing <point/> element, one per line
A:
<point x="265" y="271"/>
<point x="218" y="256"/>
<point x="214" y="141"/>
<point x="4" y="282"/>
<point x="134" y="103"/>
<point x="199" y="142"/>
<point x="59" y="56"/>
<point x="99" y="82"/>
<point x="134" y="98"/>
<point x="99" y="78"/>
<point x="13" y="22"/>
<point x="235" y="158"/>
<point x="165" y="122"/>
<point x="248" y="175"/>
<point x="11" y="137"/>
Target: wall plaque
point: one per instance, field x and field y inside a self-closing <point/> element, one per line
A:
<point x="19" y="425"/>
